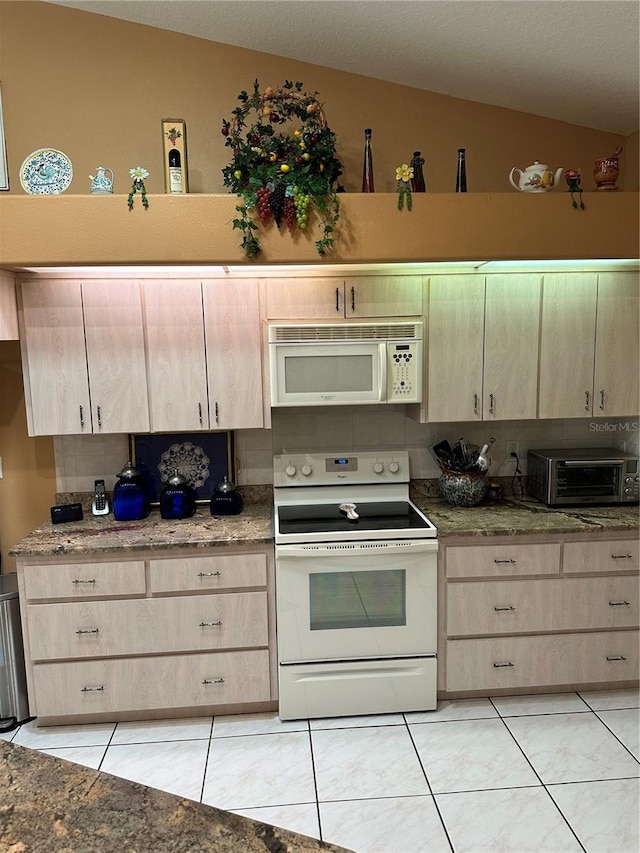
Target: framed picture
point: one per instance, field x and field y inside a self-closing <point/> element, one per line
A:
<point x="203" y="458"/>
<point x="4" y="172"/>
<point x="174" y="147"/>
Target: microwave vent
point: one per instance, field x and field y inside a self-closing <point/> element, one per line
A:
<point x="346" y="332"/>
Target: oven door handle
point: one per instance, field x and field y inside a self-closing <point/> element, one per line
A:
<point x="572" y="463"/>
<point x="364" y="548"/>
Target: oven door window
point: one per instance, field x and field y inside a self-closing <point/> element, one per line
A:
<point x="364" y="599"/>
<point x="328" y="373"/>
<point x="594" y="481"/>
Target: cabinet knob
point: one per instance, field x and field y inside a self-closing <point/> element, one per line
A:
<point x="501" y="665"/>
<point x="613" y="658"/>
<point x="491" y="403"/>
<point x="213" y="681"/>
<point x="587" y="407"/>
<point x="353" y="299"/>
<point x="200" y="413"/>
<point x="208" y="574"/>
<point x="621" y="557"/>
<point x="81" y="416"/>
<point x="216" y="411"/>
<point x="602" y="398"/>
<point x="88" y="631"/>
<point x="500" y="609"/>
<point x="211" y="625"/>
<point x="504" y="561"/>
<point x="618" y="604"/>
<point x="99" y="689"/>
<point x="78" y="580"/>
<point x="475" y="404"/>
<point x="99" y="416"/>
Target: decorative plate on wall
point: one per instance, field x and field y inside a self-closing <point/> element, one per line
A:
<point x="46" y="171"/>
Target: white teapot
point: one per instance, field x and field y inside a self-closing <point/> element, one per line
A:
<point x="537" y="178"/>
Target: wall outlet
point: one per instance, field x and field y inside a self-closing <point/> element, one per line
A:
<point x="513" y="447"/>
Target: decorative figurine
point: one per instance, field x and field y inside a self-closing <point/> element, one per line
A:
<point x="572" y="177"/>
<point x="404" y="175"/>
<point x="102" y="181"/>
<point x="139" y="175"/>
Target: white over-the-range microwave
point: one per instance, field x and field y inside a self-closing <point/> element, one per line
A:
<point x="343" y="364"/>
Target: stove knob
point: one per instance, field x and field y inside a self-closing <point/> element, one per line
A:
<point x="628" y="491"/>
<point x="290" y="470"/>
<point x="378" y="467"/>
<point x="306" y="470"/>
<point x="628" y="479"/>
<point x="394" y="467"/>
<point x="637" y="479"/>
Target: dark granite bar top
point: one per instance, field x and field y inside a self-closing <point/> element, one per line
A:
<point x="254" y="526"/>
<point x="50" y="805"/>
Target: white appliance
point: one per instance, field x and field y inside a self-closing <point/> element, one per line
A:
<point x="356" y="587"/>
<point x="346" y="363"/>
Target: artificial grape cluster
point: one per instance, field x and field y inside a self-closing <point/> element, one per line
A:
<point x="276" y="202"/>
<point x="302" y="207"/>
<point x="264" y="207"/>
<point x="289" y="212"/>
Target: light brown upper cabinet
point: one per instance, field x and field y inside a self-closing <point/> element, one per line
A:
<point x="482" y="347"/>
<point x="8" y="307"/>
<point x="176" y="358"/>
<point x="233" y="346"/>
<point x="336" y="298"/>
<point x="589" y="345"/>
<point x="83" y="356"/>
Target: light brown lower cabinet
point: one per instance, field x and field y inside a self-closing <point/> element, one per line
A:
<point x="113" y="639"/>
<point x="526" y="614"/>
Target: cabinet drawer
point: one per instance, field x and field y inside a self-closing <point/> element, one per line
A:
<point x="610" y="556"/>
<point x="499" y="560"/>
<point x="510" y="662"/>
<point x="83" y="580"/>
<point x="147" y="625"/>
<point x="208" y="573"/>
<point x="532" y="606"/>
<point x="140" y="684"/>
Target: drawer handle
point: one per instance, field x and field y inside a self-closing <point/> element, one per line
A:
<point x="504" y="561"/>
<point x="88" y="631"/>
<point x="211" y="624"/>
<point x="618" y="604"/>
<point x="508" y="607"/>
<point x="93" y="580"/>
<point x="615" y="657"/>
<point x="621" y="557"/>
<point x="213" y="681"/>
<point x="93" y="689"/>
<point x="500" y="665"/>
<point x="208" y="574"/>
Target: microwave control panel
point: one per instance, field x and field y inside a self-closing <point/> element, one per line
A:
<point x="404" y="371"/>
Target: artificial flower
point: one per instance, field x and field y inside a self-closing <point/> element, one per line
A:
<point x="139" y="174"/>
<point x="404" y="173"/>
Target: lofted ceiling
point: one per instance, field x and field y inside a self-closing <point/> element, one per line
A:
<point x="572" y="60"/>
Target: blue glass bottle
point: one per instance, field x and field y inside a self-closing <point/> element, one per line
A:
<point x="130" y="500"/>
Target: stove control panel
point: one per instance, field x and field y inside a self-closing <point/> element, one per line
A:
<point x="320" y="469"/>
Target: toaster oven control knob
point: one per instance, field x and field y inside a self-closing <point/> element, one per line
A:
<point x="378" y="467"/>
<point x="394" y="467"/>
<point x="290" y="470"/>
<point x="306" y="470"/>
<point x="628" y="491"/>
<point x="629" y="479"/>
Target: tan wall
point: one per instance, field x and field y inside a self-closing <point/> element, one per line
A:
<point x="28" y="485"/>
<point x="97" y="88"/>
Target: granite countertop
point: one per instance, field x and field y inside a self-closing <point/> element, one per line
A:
<point x="49" y="804"/>
<point x="254" y="526"/>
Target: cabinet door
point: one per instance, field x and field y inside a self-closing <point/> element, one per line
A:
<point x="115" y="355"/>
<point x="8" y="309"/>
<point x="54" y="358"/>
<point x="176" y="363"/>
<point x="616" y="362"/>
<point x="305" y="299"/>
<point x="511" y="329"/>
<point x="383" y="296"/>
<point x="234" y="362"/>
<point x="455" y="350"/>
<point x="567" y="345"/>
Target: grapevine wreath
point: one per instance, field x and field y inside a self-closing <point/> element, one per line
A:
<point x="280" y="176"/>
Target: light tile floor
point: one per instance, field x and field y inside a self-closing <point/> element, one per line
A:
<point x="546" y="774"/>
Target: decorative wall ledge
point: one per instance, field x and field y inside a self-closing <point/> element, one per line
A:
<point x="89" y="229"/>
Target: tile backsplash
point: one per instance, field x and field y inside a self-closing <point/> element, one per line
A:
<point x="82" y="459"/>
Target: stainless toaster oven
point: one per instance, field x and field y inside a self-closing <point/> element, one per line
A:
<point x="582" y="476"/>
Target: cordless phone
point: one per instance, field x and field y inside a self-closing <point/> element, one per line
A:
<point x="100" y="505"/>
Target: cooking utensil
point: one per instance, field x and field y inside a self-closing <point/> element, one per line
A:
<point x="482" y="461"/>
<point x="443" y="453"/>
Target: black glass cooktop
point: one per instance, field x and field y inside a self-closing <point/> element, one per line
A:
<point x="328" y="518"/>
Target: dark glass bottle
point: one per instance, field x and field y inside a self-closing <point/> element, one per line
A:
<point x="175" y="171"/>
<point x="461" y="175"/>
<point x="417" y="182"/>
<point x="367" y="168"/>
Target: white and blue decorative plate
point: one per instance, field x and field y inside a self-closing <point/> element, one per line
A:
<point x="46" y="172"/>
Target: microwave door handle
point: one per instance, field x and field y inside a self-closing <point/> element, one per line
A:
<point x="382" y="350"/>
<point x="591" y="462"/>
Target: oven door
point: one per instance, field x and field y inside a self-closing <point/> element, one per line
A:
<point x="356" y="601"/>
<point x="587" y="481"/>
